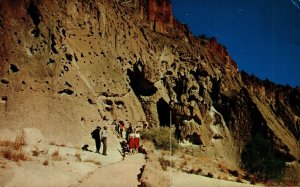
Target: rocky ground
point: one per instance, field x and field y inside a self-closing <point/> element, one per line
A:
<point x="33" y="161"/>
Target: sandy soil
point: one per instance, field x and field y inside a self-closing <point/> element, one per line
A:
<point x="123" y="173"/>
<point x="180" y="179"/>
<point x="70" y="166"/>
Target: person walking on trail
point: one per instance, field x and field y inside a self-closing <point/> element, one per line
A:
<point x="136" y="140"/>
<point x="96" y="135"/>
<point x="129" y="130"/>
<point x="104" y="140"/>
<point x="131" y="141"/>
<point x="122" y="129"/>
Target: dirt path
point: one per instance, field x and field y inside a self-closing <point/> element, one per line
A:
<point x="113" y="170"/>
<point x="180" y="179"/>
<point x="123" y="173"/>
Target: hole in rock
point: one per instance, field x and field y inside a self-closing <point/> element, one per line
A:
<point x="53" y="43"/>
<point x="66" y="68"/>
<point x="194" y="139"/>
<point x="68" y="84"/>
<point x="163" y="111"/>
<point x="4" y="81"/>
<point x="36" y="32"/>
<point x="14" y="68"/>
<point x="91" y="101"/>
<point x="66" y="91"/>
<point x="34" y="13"/>
<point x="69" y="57"/>
<point x="139" y="84"/>
<point x="108" y="102"/>
<point x="108" y="108"/>
<point x="119" y="102"/>
<point x="51" y="61"/>
<point x="4" y="98"/>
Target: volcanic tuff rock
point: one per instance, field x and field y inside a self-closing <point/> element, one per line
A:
<point x="67" y="66"/>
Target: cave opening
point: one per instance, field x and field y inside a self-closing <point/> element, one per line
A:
<point x="34" y="13"/>
<point x="194" y="139"/>
<point x="180" y="86"/>
<point x="14" y="68"/>
<point x="163" y="111"/>
<point x="139" y="84"/>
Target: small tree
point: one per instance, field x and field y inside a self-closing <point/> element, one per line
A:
<point x="258" y="158"/>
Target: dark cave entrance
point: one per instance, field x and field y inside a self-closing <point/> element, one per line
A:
<point x="34" y="13"/>
<point x="163" y="111"/>
<point x="194" y="139"/>
<point x="139" y="84"/>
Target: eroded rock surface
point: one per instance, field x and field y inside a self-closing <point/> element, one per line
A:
<point x="67" y="66"/>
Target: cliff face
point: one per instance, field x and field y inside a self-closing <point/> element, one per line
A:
<point x="160" y="15"/>
<point x="67" y="66"/>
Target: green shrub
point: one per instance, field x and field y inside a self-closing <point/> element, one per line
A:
<point x="258" y="158"/>
<point x="161" y="138"/>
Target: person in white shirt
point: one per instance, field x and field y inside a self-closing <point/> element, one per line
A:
<point x="104" y="140"/>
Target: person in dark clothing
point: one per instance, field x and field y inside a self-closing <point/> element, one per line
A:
<point x="96" y="135"/>
<point x="104" y="140"/>
<point x="129" y="130"/>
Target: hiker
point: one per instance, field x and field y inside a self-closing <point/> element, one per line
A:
<point x="131" y="141"/>
<point x="117" y="126"/>
<point x="96" y="135"/>
<point x="136" y="139"/>
<point x="129" y="130"/>
<point x="104" y="140"/>
<point x="125" y="147"/>
<point x="122" y="129"/>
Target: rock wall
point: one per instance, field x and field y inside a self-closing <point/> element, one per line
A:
<point x="67" y="66"/>
<point x="157" y="14"/>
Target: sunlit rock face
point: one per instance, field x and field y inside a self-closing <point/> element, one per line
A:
<point x="67" y="66"/>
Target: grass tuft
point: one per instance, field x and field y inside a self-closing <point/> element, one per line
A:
<point x="19" y="141"/>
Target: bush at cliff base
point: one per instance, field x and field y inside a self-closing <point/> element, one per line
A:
<point x="161" y="138"/>
<point x="258" y="158"/>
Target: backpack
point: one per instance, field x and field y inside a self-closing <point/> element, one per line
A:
<point x="93" y="135"/>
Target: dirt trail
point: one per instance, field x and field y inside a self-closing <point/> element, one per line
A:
<point x="123" y="173"/>
<point x="180" y="179"/>
<point x="115" y="171"/>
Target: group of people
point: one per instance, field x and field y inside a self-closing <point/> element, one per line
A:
<point x="100" y="136"/>
<point x="131" y="137"/>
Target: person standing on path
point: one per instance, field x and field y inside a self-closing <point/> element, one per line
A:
<point x="104" y="140"/>
<point x="131" y="141"/>
<point x="96" y="135"/>
<point x="122" y="129"/>
<point x="136" y="140"/>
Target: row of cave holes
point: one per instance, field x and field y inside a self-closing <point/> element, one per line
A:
<point x="109" y="103"/>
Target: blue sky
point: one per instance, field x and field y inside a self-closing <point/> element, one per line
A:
<point x="262" y="36"/>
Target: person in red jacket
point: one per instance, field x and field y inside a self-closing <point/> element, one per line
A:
<point x="136" y="140"/>
<point x="131" y="141"/>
